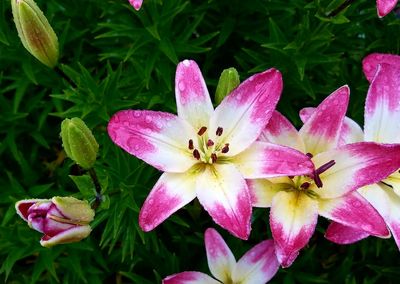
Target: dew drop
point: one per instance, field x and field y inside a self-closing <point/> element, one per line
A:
<point x="137" y="114"/>
<point x="148" y="118"/>
<point x="181" y="86"/>
<point x="262" y="98"/>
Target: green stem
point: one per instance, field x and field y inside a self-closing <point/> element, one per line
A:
<point x="339" y="9"/>
<point x="97" y="187"/>
<point x="60" y="72"/>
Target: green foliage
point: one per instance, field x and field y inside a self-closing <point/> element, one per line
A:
<point x="115" y="58"/>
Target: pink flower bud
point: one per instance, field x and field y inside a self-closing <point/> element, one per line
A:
<point x="136" y="4"/>
<point x="60" y="219"/>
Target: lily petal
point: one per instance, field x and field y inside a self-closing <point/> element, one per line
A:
<point x="258" y="265"/>
<point x="23" y="206"/>
<point x="221" y="261"/>
<point x="170" y="193"/>
<point x="385" y="6"/>
<point x="264" y="160"/>
<point x="189" y="277"/>
<point x="262" y="191"/>
<point x="192" y="98"/>
<point x="344" y="235"/>
<point x="158" y="138"/>
<point x="370" y="63"/>
<point x="293" y="219"/>
<point x="321" y="131"/>
<point x="280" y="131"/>
<point x="356" y="165"/>
<point x="223" y="192"/>
<point x="351" y="210"/>
<point x="137" y="4"/>
<point x="72" y="235"/>
<point x="246" y="111"/>
<point x="382" y="106"/>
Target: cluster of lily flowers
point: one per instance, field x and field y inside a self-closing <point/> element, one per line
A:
<point x="245" y="154"/>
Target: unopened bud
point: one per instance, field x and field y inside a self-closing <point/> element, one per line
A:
<point x="136" y="4"/>
<point x="61" y="219"/>
<point x="35" y="32"/>
<point x="78" y="142"/>
<point x="228" y="81"/>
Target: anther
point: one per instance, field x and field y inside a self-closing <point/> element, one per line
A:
<point x="213" y="157"/>
<point x="219" y="131"/>
<point x="210" y="143"/>
<point x="318" y="180"/>
<point x="225" y="149"/>
<point x="191" y="147"/>
<point x="305" y="185"/>
<point x="309" y="155"/>
<point x="196" y="154"/>
<point x="325" y="167"/>
<point x="202" y="130"/>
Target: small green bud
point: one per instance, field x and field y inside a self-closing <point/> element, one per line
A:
<point x="228" y="81"/>
<point x="35" y="32"/>
<point x="78" y="142"/>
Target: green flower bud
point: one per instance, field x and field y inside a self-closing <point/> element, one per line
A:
<point x="35" y="32"/>
<point x="228" y="81"/>
<point x="78" y="142"/>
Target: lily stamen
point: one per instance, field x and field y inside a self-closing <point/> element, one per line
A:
<point x="202" y="130"/>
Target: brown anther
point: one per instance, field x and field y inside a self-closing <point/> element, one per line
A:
<point x="196" y="154"/>
<point x="201" y="131"/>
<point x="305" y="185"/>
<point x="309" y="155"/>
<point x="191" y="147"/>
<point x="291" y="177"/>
<point x="225" y="149"/>
<point x="219" y="131"/>
<point x="210" y="143"/>
<point x="213" y="157"/>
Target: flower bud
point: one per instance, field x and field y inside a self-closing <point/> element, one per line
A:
<point x="61" y="219"/>
<point x="228" y="81"/>
<point x="79" y="142"/>
<point x="136" y="4"/>
<point x="35" y="32"/>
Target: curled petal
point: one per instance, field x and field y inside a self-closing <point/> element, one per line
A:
<point x="170" y="193"/>
<point x="344" y="235"/>
<point x="370" y="63"/>
<point x="382" y="106"/>
<point x="189" y="277"/>
<point x="322" y="130"/>
<point x="23" y="206"/>
<point x="74" y="234"/>
<point x="385" y="6"/>
<point x="246" y="111"/>
<point x="220" y="258"/>
<point x="223" y="192"/>
<point x="356" y="165"/>
<point x="264" y="160"/>
<point x="192" y="98"/>
<point x="258" y="265"/>
<point x="158" y="138"/>
<point x="293" y="219"/>
<point x="280" y="131"/>
<point x="351" y="210"/>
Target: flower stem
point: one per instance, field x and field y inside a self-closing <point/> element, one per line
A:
<point x="339" y="9"/>
<point x="60" y="72"/>
<point x="97" y="187"/>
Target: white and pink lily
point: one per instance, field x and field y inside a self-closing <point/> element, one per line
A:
<point x="382" y="125"/>
<point x="137" y="4"/>
<point x="296" y="201"/>
<point x="205" y="152"/>
<point x="257" y="266"/>
<point x="384" y="7"/>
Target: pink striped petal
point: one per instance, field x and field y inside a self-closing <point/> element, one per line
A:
<point x="75" y="234"/>
<point x="221" y="261"/>
<point x="262" y="191"/>
<point x="382" y="106"/>
<point x="223" y="192"/>
<point x="264" y="160"/>
<point x="23" y="206"/>
<point x="170" y="193"/>
<point x="350" y="132"/>
<point x="385" y="6"/>
<point x="158" y="138"/>
<point x="189" y="277"/>
<point x="293" y="219"/>
<point x="136" y="4"/>
<point x="370" y="63"/>
<point x="344" y="235"/>
<point x="357" y="165"/>
<point x="321" y="131"/>
<point x="246" y="111"/>
<point x="258" y="265"/>
<point x="351" y="210"/>
<point x="192" y="98"/>
<point x="280" y="131"/>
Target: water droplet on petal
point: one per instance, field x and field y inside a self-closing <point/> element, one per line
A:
<point x="148" y="118"/>
<point x="137" y="114"/>
<point x="181" y="86"/>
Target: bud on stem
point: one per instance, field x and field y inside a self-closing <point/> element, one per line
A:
<point x="228" y="81"/>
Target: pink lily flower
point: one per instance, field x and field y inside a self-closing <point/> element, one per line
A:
<point x="296" y="201"/>
<point x="137" y="4"/>
<point x="382" y="116"/>
<point x="384" y="7"/>
<point x="205" y="152"/>
<point x="257" y="266"/>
